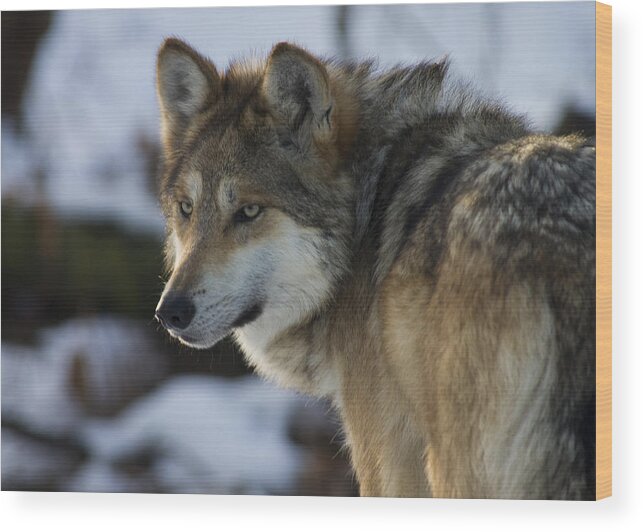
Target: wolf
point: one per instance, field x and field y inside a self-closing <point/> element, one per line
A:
<point x="391" y="241"/>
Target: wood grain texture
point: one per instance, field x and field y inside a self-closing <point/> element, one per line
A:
<point x="603" y="250"/>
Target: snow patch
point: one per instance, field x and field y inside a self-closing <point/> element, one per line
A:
<point x="204" y="434"/>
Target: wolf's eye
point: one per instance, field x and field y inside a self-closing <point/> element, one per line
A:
<point x="247" y="213"/>
<point x="186" y="208"/>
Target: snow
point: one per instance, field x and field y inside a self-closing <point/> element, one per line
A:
<point x="536" y="57"/>
<point x="34" y="391"/>
<point x="18" y="168"/>
<point x="92" y="95"/>
<point x="209" y="435"/>
<point x="191" y="433"/>
<point x="37" y="382"/>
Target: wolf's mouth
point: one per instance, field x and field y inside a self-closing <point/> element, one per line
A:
<point x="248" y="316"/>
<point x="203" y="342"/>
<point x="186" y="338"/>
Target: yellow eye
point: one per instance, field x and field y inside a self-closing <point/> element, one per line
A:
<point x="186" y="208"/>
<point x="251" y="211"/>
<point x="247" y="213"/>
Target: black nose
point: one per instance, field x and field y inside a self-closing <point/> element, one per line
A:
<point x="176" y="312"/>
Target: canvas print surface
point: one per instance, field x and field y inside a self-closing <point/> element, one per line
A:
<point x="329" y="250"/>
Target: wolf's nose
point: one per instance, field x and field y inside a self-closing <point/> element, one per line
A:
<point x="176" y="312"/>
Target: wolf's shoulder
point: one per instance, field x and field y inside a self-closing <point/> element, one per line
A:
<point x="537" y="170"/>
<point x="520" y="202"/>
<point x="535" y="187"/>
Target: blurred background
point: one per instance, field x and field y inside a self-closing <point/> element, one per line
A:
<point x="94" y="396"/>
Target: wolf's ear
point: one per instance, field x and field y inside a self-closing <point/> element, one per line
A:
<point x="297" y="89"/>
<point x="186" y="83"/>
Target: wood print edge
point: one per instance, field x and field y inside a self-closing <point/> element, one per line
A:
<point x="603" y="250"/>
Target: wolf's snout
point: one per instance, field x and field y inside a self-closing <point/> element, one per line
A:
<point x="176" y="312"/>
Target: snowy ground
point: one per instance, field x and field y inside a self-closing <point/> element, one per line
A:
<point x="181" y="434"/>
<point x="204" y="435"/>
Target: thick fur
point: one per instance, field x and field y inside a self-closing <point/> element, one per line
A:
<point x="421" y="257"/>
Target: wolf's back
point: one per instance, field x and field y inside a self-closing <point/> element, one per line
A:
<point x="504" y="239"/>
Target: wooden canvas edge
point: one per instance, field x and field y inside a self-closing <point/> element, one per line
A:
<point x="603" y="250"/>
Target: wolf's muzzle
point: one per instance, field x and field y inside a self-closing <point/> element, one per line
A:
<point x="176" y="312"/>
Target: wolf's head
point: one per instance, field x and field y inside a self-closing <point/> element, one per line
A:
<point x="257" y="207"/>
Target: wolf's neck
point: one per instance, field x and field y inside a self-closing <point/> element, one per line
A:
<point x="389" y="104"/>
